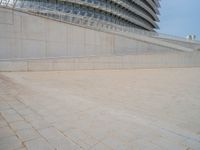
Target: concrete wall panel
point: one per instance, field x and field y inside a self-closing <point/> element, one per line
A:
<point x="10" y="48"/>
<point x="76" y="35"/>
<point x="5" y="47"/>
<point x="15" y="48"/>
<point x="8" y="29"/>
<point x="6" y="16"/>
<point x="76" y="50"/>
<point x="56" y="49"/>
<point x="55" y="32"/>
<point x="89" y="36"/>
<point x="32" y="28"/>
<point x="32" y="24"/>
<point x="33" y="49"/>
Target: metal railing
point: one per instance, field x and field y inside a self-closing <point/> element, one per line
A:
<point x="57" y="12"/>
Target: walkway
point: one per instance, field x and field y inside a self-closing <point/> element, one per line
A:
<point x="156" y="109"/>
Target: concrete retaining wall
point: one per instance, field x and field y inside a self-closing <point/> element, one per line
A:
<point x="27" y="36"/>
<point x="105" y="62"/>
<point x="189" y="44"/>
<point x="27" y="43"/>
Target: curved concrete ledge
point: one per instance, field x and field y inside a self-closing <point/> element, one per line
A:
<point x="188" y="44"/>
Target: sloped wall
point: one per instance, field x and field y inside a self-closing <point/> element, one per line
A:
<point x="25" y="36"/>
<point x="189" y="44"/>
<point x="32" y="43"/>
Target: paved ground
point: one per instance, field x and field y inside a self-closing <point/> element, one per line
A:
<point x="156" y="109"/>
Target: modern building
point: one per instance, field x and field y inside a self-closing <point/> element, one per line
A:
<point x="140" y="14"/>
<point x="38" y="35"/>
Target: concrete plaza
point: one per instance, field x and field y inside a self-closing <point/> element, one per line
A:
<point x="142" y="109"/>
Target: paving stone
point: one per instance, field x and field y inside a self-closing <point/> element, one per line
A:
<point x="19" y="106"/>
<point x="40" y="124"/>
<point x="4" y="106"/>
<point x="25" y="111"/>
<point x="50" y="132"/>
<point x="1" y="117"/>
<point x="8" y="111"/>
<point x="115" y="143"/>
<point x="7" y="97"/>
<point x="14" y="101"/>
<point x="64" y="125"/>
<point x="167" y="144"/>
<point x="21" y="149"/>
<point x="85" y="107"/>
<point x="190" y="144"/>
<point x="5" y="132"/>
<point x="100" y="146"/>
<point x="19" y="125"/>
<point x="10" y="143"/>
<point x="81" y="138"/>
<point x="3" y="123"/>
<point x="38" y="144"/>
<point x="27" y="134"/>
<point x="32" y="117"/>
<point x="62" y="143"/>
<point x="82" y="144"/>
<point x="13" y="117"/>
<point x="143" y="144"/>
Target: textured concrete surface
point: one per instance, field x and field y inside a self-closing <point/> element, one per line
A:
<point x="156" y="109"/>
<point x="27" y="36"/>
<point x="145" y="61"/>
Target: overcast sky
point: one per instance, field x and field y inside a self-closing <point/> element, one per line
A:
<point x="180" y="17"/>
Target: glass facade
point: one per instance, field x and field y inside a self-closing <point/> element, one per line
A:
<point x="140" y="14"/>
